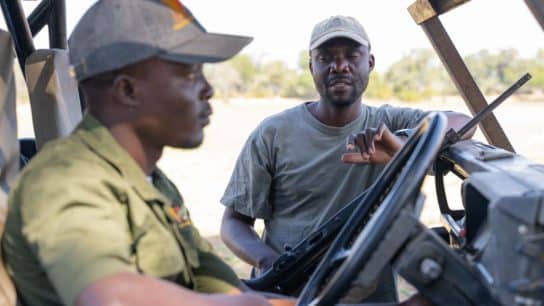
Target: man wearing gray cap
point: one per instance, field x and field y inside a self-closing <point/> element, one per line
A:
<point x="92" y="220"/>
<point x="290" y="174"/>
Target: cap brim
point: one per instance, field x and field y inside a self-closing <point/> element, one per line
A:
<point x="336" y="34"/>
<point x="207" y="48"/>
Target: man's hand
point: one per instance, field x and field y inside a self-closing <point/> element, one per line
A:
<point x="375" y="145"/>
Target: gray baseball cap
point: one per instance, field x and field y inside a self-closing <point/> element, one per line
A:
<point x="116" y="33"/>
<point x="338" y="26"/>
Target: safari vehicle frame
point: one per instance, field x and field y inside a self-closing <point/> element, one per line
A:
<point x="50" y="13"/>
<point x="55" y="102"/>
<point x="470" y="161"/>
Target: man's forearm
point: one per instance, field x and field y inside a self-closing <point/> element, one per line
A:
<point x="456" y="121"/>
<point x="135" y="290"/>
<point x="241" y="238"/>
<point x="247" y="245"/>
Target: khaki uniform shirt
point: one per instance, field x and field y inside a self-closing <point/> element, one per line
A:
<point x="83" y="210"/>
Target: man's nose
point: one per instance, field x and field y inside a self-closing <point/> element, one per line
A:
<point x="340" y="64"/>
<point x="207" y="91"/>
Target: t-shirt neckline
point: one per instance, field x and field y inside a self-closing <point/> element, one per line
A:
<point x="327" y="129"/>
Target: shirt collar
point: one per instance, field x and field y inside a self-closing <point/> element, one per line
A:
<point x="99" y="139"/>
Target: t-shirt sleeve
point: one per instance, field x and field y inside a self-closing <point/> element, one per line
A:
<point x="76" y="233"/>
<point x="398" y="118"/>
<point x="249" y="186"/>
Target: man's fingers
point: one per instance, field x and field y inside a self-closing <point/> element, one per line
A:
<point x="375" y="146"/>
<point x="379" y="132"/>
<point x="361" y="142"/>
<point x="381" y="129"/>
<point x="369" y="139"/>
<point x="366" y="140"/>
<point x="350" y="144"/>
<point x="355" y="158"/>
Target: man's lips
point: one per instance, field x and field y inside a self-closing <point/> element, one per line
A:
<point x="339" y="82"/>
<point x="340" y="86"/>
<point x="204" y="117"/>
<point x="204" y="120"/>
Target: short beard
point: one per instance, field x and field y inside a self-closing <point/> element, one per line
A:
<point x="353" y="97"/>
<point x="342" y="102"/>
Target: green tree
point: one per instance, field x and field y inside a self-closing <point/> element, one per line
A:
<point x="301" y="84"/>
<point x="494" y="72"/>
<point x="415" y="76"/>
<point x="378" y="87"/>
<point x="271" y="79"/>
<point x="247" y="68"/>
<point x="536" y="68"/>
<point x="226" y="80"/>
<point x="303" y="61"/>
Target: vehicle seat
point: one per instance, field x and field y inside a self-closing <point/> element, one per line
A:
<point x="54" y="96"/>
<point x="27" y="149"/>
<point x="9" y="151"/>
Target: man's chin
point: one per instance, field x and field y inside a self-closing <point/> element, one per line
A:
<point x="189" y="143"/>
<point x="342" y="102"/>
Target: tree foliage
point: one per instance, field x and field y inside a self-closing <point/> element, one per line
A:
<point x="418" y="75"/>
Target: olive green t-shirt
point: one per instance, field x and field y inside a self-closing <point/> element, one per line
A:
<point x="83" y="209"/>
<point x="289" y="174"/>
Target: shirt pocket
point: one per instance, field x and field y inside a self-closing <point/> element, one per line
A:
<point x="157" y="253"/>
<point x="155" y="248"/>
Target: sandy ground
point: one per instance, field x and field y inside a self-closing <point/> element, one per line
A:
<point x="202" y="174"/>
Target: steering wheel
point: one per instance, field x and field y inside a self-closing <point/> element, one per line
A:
<point x="398" y="186"/>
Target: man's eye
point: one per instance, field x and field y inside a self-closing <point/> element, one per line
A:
<point x="191" y="76"/>
<point x="323" y="58"/>
<point x="353" y="55"/>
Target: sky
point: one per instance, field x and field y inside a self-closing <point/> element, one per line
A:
<point x="281" y="28"/>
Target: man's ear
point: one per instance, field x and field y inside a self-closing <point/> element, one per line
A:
<point x="371" y="62"/>
<point x="125" y="90"/>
